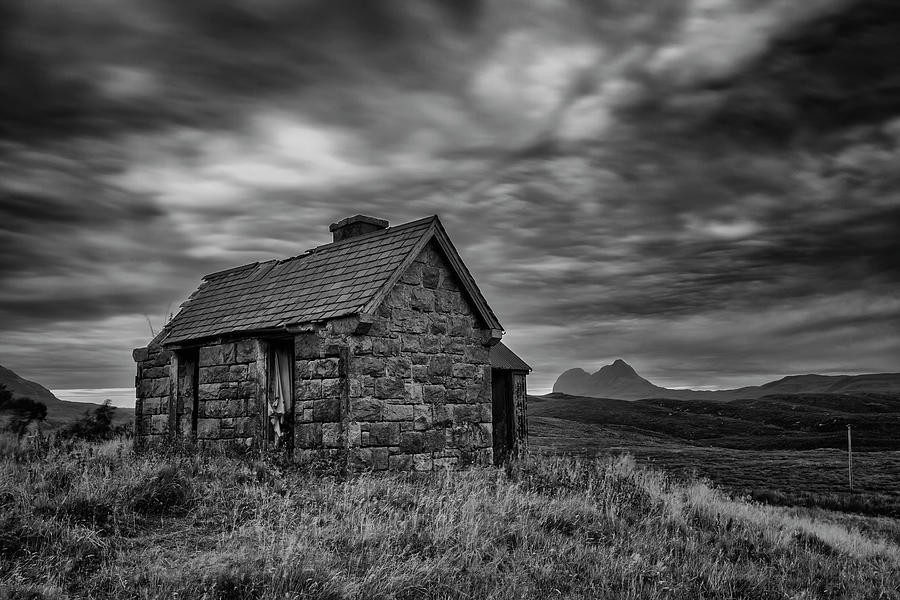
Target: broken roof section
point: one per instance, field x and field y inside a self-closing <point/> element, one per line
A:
<point x="343" y="278"/>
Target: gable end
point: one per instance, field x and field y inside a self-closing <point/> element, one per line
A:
<point x="437" y="233"/>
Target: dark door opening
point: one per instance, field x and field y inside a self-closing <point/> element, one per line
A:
<point x="503" y="415"/>
<point x="188" y="402"/>
<point x="280" y="395"/>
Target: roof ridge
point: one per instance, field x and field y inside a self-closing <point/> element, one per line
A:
<point x="228" y="271"/>
<point x="316" y="249"/>
<point x="372" y="234"/>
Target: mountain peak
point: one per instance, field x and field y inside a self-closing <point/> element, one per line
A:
<point x="615" y="380"/>
<point x="621" y="365"/>
<point x="620" y="381"/>
<point x="577" y="371"/>
<point x="618" y="370"/>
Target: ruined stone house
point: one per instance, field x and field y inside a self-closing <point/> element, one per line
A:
<point x="376" y="351"/>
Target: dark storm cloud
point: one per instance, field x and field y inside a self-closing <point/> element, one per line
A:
<point x="836" y="72"/>
<point x="700" y="187"/>
<point x="99" y="67"/>
<point x="60" y="263"/>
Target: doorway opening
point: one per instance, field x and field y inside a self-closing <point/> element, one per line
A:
<point x="188" y="398"/>
<point x="280" y="395"/>
<point x="503" y="415"/>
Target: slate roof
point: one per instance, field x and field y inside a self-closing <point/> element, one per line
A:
<point x="504" y="358"/>
<point x="333" y="280"/>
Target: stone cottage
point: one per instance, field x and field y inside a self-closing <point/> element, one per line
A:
<point x="376" y="351"/>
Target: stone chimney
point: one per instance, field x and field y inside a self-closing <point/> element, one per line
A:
<point x="356" y="225"/>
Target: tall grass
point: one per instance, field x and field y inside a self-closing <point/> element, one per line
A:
<point x="100" y="521"/>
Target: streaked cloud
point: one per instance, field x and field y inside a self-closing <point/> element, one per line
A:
<point x="707" y="188"/>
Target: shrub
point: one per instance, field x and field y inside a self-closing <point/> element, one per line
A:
<point x="167" y="492"/>
<point x="21" y="411"/>
<point x="95" y="426"/>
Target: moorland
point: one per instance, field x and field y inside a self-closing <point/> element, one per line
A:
<point x="787" y="449"/>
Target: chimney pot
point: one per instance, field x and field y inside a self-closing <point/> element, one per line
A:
<point x="355" y="226"/>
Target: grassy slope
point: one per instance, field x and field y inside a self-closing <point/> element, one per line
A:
<point x="65" y="412"/>
<point x="98" y="521"/>
<point x="59" y="412"/>
<point x="782" y="449"/>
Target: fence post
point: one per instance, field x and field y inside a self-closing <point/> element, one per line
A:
<point x="849" y="457"/>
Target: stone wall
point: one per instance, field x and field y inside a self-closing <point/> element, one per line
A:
<point x="231" y="392"/>
<point x="153" y="392"/>
<point x="321" y="388"/>
<point x="417" y="388"/>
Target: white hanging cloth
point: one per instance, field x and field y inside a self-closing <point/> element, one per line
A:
<point x="280" y="401"/>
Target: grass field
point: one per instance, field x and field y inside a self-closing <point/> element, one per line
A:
<point x="781" y="422"/>
<point x="101" y="522"/>
<point x="774" y="449"/>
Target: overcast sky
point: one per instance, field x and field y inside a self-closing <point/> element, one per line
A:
<point x="708" y="189"/>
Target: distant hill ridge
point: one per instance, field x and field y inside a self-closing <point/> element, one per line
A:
<point x="58" y="411"/>
<point x="620" y="381"/>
